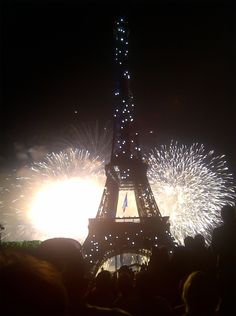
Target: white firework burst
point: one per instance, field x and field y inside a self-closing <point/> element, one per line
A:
<point x="54" y="197"/>
<point x="66" y="164"/>
<point x="190" y="186"/>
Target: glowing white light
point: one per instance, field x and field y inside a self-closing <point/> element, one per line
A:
<point x="190" y="186"/>
<point x="62" y="208"/>
<point x="56" y="201"/>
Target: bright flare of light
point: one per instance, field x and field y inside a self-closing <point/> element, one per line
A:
<point x="190" y="186"/>
<point x="53" y="198"/>
<point x="63" y="208"/>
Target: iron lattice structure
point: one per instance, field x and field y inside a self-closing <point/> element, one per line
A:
<point x="127" y="170"/>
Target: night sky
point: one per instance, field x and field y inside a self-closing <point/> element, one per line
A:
<point x="57" y="62"/>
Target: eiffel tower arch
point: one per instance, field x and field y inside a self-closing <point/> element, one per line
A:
<point x="115" y="230"/>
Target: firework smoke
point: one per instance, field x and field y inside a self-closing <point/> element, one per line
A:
<point x="190" y="186"/>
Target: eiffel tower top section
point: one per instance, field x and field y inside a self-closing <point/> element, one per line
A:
<point x="127" y="171"/>
<point x="121" y="33"/>
<point x="125" y="143"/>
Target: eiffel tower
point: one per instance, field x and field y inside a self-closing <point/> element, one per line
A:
<point x="115" y="231"/>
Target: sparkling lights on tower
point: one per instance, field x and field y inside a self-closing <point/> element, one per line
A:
<point x="115" y="231"/>
<point x="125" y="145"/>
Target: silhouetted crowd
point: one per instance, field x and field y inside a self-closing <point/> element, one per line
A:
<point x="192" y="280"/>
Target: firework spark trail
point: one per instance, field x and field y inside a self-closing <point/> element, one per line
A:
<point x="190" y="186"/>
<point x="94" y="138"/>
<point x="74" y="173"/>
<point x="11" y="214"/>
<point x="68" y="163"/>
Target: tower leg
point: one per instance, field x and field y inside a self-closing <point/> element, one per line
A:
<point x="121" y="260"/>
<point x="116" y="265"/>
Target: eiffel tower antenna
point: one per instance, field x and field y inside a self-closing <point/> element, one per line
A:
<point x="113" y="231"/>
